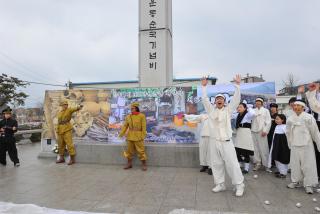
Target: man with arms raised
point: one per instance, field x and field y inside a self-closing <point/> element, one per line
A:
<point x="222" y="151"/>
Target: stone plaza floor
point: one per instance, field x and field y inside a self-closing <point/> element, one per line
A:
<point x="110" y="189"/>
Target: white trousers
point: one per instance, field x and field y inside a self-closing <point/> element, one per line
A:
<point x="204" y="151"/>
<point x="282" y="168"/>
<point x="303" y="165"/>
<point x="224" y="158"/>
<point x="261" y="149"/>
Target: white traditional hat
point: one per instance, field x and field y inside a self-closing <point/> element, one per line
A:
<point x="220" y="95"/>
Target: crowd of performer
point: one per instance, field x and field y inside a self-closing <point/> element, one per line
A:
<point x="274" y="142"/>
<point x="271" y="141"/>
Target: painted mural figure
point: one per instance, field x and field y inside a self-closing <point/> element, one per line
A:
<point x="64" y="131"/>
<point x="8" y="126"/>
<point x="134" y="128"/>
<point x="222" y="150"/>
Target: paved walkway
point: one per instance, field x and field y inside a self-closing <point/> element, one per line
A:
<point x="109" y="189"/>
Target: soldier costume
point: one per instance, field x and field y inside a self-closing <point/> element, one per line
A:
<point x="64" y="131"/>
<point x="134" y="128"/>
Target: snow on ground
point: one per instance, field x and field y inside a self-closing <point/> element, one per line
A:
<point x="10" y="208"/>
<point x="183" y="211"/>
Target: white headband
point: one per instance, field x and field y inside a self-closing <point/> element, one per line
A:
<point x="219" y="95"/>
<point x="259" y="99"/>
<point x="300" y="103"/>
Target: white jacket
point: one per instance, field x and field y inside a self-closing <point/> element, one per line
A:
<point x="302" y="130"/>
<point x="262" y="120"/>
<point x="220" y="119"/>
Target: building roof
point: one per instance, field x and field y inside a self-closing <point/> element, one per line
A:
<point x="293" y="90"/>
<point x="104" y="83"/>
<point x="134" y="81"/>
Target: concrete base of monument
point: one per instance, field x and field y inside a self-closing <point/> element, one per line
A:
<point x="169" y="155"/>
<point x="174" y="155"/>
<point x="47" y="155"/>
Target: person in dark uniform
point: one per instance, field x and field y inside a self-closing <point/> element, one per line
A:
<point x="8" y="126"/>
<point x="273" y="114"/>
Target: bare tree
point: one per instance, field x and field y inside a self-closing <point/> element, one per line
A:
<point x="290" y="83"/>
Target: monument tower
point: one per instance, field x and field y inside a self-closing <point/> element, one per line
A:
<point x="155" y="43"/>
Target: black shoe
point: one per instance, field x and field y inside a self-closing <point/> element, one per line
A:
<point x="277" y="173"/>
<point x="204" y="168"/>
<point x="281" y="176"/>
<point x="245" y="171"/>
<point x="209" y="171"/>
<point x="17" y="164"/>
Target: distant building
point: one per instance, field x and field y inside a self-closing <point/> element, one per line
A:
<point x="251" y="79"/>
<point x="292" y="90"/>
<point x="179" y="82"/>
<point x="288" y="91"/>
<point x="283" y="103"/>
<point x="29" y="116"/>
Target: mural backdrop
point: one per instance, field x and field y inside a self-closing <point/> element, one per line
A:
<point x="104" y="111"/>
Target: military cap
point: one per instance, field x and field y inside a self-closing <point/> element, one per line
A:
<point x="135" y="104"/>
<point x="7" y="111"/>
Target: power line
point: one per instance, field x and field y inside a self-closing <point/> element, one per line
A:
<point x="48" y="84"/>
<point x="23" y="68"/>
<point x="20" y="67"/>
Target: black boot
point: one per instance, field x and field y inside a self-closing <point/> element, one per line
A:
<point x="244" y="171"/>
<point x="209" y="171"/>
<point x="204" y="168"/>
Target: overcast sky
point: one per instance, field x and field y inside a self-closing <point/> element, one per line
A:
<point x="54" y="41"/>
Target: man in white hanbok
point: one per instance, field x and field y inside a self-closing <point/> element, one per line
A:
<point x="260" y="127"/>
<point x="301" y="132"/>
<point x="204" y="153"/>
<point x="313" y="97"/>
<point x="222" y="151"/>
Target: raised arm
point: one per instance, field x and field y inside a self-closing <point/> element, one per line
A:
<point x="205" y="100"/>
<point x="311" y="96"/>
<point x="76" y="108"/>
<point x="235" y="101"/>
<point x="193" y="118"/>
